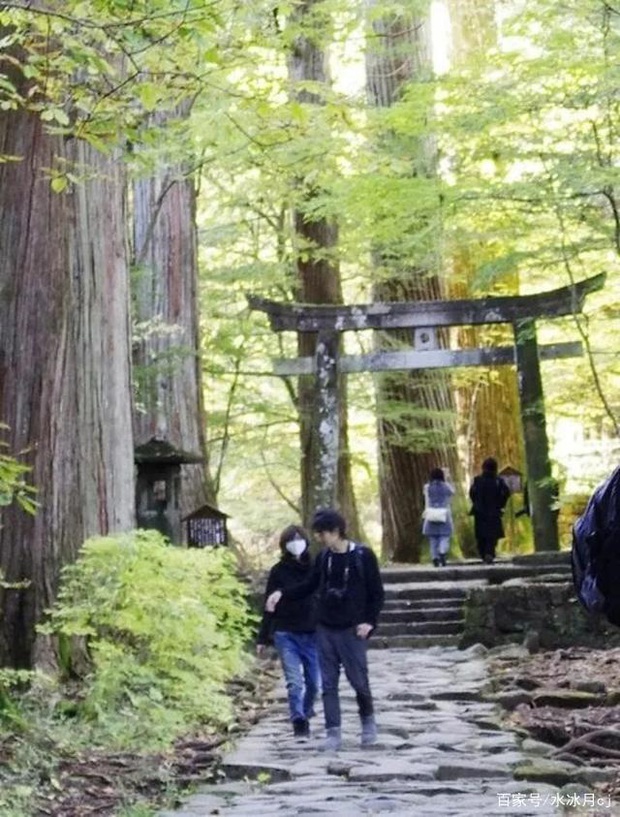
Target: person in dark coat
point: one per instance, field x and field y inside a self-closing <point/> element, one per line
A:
<point x="292" y="627"/>
<point x="489" y="495"/>
<point x="350" y="590"/>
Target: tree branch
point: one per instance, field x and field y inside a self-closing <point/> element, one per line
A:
<point x="295" y="508"/>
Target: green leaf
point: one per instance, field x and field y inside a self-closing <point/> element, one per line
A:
<point x="149" y="95"/>
<point x="59" y="183"/>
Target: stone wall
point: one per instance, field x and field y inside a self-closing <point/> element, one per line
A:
<point x="547" y="613"/>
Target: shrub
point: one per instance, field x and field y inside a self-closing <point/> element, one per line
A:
<point x="164" y="628"/>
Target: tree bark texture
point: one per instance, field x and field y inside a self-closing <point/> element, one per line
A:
<point x="474" y="30"/>
<point x="318" y="281"/>
<point x="326" y="431"/>
<point x="167" y="363"/>
<point x="417" y="432"/>
<point x="416" y="425"/>
<point x="488" y="402"/>
<point x="488" y="405"/>
<point x="64" y="363"/>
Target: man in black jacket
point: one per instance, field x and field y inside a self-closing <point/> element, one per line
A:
<point x="350" y="599"/>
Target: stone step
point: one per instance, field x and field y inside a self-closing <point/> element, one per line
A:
<point x="422" y="614"/>
<point x="403" y="605"/>
<point x="424" y="605"/>
<point x="379" y="642"/>
<point x="431" y="592"/>
<point x="491" y="574"/>
<point x="547" y="557"/>
<point x="388" y="630"/>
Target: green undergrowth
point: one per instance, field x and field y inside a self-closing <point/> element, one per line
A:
<point x="148" y="636"/>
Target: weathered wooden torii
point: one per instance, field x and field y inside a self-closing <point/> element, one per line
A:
<point x="424" y="318"/>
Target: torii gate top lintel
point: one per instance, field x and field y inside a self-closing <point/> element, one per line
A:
<point x="403" y="314"/>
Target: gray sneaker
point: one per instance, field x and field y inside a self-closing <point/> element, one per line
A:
<point x="369" y="731"/>
<point x="332" y="741"/>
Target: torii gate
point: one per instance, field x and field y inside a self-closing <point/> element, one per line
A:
<point x="424" y="317"/>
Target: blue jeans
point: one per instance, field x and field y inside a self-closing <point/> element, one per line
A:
<point x="342" y="648"/>
<point x="300" y="665"/>
<point x="439" y="545"/>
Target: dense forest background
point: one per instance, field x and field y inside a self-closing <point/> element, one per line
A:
<point x="162" y="161"/>
<point x="440" y="150"/>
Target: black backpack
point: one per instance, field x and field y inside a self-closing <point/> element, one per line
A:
<point x="356" y="563"/>
<point x="595" y="553"/>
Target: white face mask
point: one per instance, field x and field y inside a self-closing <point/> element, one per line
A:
<point x="296" y="547"/>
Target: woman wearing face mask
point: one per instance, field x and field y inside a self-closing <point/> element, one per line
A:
<point x="292" y="628"/>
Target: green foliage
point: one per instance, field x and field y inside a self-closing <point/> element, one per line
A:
<point x="520" y="177"/>
<point x="11" y="682"/>
<point x="165" y="630"/>
<point x="94" y="68"/>
<point x="530" y="136"/>
<point x="136" y="811"/>
<point x="13" y="485"/>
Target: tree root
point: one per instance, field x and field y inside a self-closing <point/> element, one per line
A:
<point x="587" y="742"/>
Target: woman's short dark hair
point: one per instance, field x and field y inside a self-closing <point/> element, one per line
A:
<point x="437" y="473"/>
<point x="489" y="466"/>
<point x="293" y="532"/>
<point x="329" y="519"/>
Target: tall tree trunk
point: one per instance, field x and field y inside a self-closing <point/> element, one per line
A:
<point x="541" y="485"/>
<point x="416" y="412"/>
<point x="167" y="364"/>
<point x="489" y="403"/>
<point x="64" y="367"/>
<point x="473" y="25"/>
<point x="318" y="279"/>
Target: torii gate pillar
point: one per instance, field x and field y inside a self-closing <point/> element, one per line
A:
<point x="326" y="422"/>
<point x="541" y="486"/>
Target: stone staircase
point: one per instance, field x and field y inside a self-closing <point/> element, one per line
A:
<point x="424" y="605"/>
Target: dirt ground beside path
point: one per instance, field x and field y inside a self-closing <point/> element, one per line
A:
<point x="96" y="784"/>
<point x="587" y="734"/>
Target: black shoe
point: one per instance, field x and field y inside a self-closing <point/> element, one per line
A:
<point x="442" y="560"/>
<point x="436" y="562"/>
<point x="301" y="728"/>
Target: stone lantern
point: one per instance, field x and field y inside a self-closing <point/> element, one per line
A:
<point x="158" y="486"/>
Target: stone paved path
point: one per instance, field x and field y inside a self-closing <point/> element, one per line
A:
<point x="441" y="754"/>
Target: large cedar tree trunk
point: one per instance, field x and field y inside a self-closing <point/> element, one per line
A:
<point x="416" y="411"/>
<point x="318" y="282"/>
<point x="167" y="363"/>
<point x="473" y="27"/>
<point x="64" y="365"/>
<point x="488" y="402"/>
